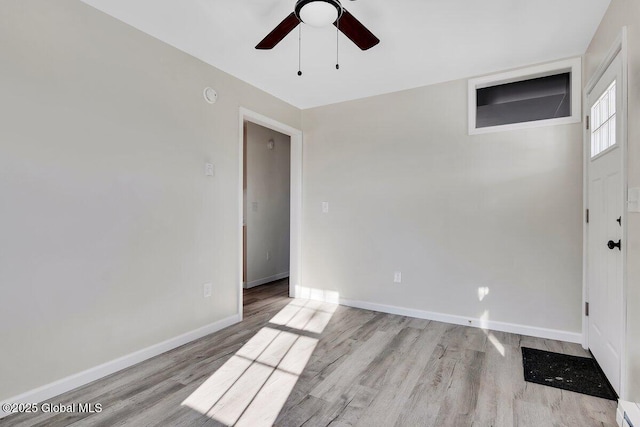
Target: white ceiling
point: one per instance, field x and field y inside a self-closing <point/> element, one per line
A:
<point x="422" y="41"/>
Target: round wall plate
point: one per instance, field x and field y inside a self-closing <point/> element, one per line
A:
<point x="210" y="95"/>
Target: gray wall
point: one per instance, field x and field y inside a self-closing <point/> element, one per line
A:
<point x="109" y="227"/>
<point x="626" y="13"/>
<point x="410" y="191"/>
<point x="268" y="186"/>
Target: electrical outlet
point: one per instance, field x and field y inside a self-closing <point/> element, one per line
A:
<point x="209" y="170"/>
<point x="206" y="289"/>
<point x="268" y="255"/>
<point x="254" y="206"/>
<point x="397" y="277"/>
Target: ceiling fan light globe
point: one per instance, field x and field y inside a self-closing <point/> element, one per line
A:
<point x="318" y="13"/>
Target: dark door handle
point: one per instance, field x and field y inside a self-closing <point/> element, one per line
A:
<point x="611" y="244"/>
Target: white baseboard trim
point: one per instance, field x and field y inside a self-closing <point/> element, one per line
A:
<point x="513" y="328"/>
<point x="71" y="382"/>
<point x="264" y="280"/>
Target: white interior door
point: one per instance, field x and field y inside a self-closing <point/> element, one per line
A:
<point x="605" y="201"/>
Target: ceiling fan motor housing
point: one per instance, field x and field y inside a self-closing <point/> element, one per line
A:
<point x="317" y="7"/>
<point x="321" y="13"/>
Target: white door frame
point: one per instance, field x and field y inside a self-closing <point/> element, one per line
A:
<point x="618" y="47"/>
<point x="295" y="218"/>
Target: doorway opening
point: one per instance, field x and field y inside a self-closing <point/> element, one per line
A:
<point x="266" y="200"/>
<point x="270" y="203"/>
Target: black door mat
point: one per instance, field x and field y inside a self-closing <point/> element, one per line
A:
<point x="573" y="373"/>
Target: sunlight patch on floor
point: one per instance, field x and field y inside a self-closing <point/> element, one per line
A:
<point x="304" y="292"/>
<point x="496" y="343"/>
<point x="251" y="388"/>
<point x="484" y="325"/>
<point x="305" y="315"/>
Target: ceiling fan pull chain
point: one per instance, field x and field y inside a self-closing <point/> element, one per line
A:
<point x="337" y="39"/>
<point x="299" y="49"/>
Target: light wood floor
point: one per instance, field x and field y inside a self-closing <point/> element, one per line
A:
<point x="368" y="368"/>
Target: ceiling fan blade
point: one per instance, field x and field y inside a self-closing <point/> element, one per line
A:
<point x="358" y="33"/>
<point x="278" y="33"/>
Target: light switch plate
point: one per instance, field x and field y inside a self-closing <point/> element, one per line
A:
<point x="206" y="289"/>
<point x="325" y="207"/>
<point x="208" y="169"/>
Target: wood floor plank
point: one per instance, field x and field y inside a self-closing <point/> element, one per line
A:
<point x="528" y="414"/>
<point x="403" y="376"/>
<point x="389" y="360"/>
<point x="354" y="399"/>
<point x="351" y="367"/>
<point x="419" y="323"/>
<point x="424" y="401"/>
<point x="496" y="388"/>
<point x="459" y="404"/>
<point x="301" y="413"/>
<point x="169" y="411"/>
<point x="458" y="337"/>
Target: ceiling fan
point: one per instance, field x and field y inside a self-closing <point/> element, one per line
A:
<point x="319" y="13"/>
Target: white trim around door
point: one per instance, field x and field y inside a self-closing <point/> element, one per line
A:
<point x="619" y="47"/>
<point x="296" y="196"/>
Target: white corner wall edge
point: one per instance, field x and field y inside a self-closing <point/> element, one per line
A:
<point x="628" y="414"/>
<point x="264" y="280"/>
<point x="71" y="382"/>
<point x="513" y="328"/>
